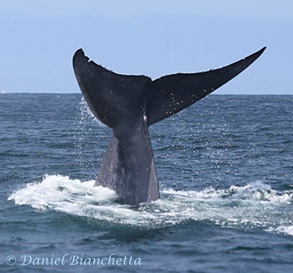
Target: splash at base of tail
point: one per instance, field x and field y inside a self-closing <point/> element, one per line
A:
<point x="129" y="105"/>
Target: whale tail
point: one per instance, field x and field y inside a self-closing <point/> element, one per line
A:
<point x="129" y="105"/>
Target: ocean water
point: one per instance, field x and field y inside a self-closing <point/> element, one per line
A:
<point x="225" y="171"/>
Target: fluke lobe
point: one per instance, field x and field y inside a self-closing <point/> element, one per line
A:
<point x="129" y="105"/>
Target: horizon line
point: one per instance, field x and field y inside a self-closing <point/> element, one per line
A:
<point x="72" y="93"/>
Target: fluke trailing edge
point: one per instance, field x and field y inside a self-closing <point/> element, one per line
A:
<point x="129" y="105"/>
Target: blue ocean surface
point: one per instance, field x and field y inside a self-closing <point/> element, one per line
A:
<point x="225" y="171"/>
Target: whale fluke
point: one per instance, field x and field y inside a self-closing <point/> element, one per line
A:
<point x="129" y="105"/>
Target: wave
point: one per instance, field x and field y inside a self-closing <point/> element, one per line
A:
<point x="255" y="205"/>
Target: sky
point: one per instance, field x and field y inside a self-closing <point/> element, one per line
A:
<point x="153" y="38"/>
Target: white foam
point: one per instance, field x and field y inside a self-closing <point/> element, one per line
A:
<point x="253" y="205"/>
<point x="61" y="193"/>
<point x="287" y="230"/>
<point x="255" y="191"/>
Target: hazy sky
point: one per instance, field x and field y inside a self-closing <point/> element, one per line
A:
<point x="154" y="38"/>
